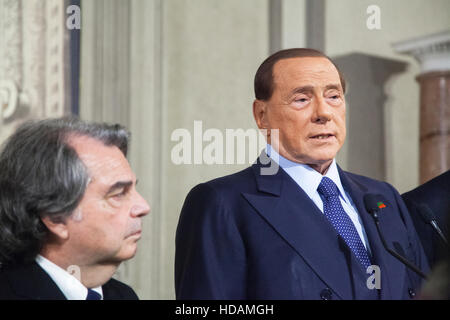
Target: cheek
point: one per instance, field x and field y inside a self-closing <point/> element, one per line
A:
<point x="342" y="125"/>
<point x="105" y="218"/>
<point x="343" y="133"/>
<point x="341" y="113"/>
<point x="298" y="129"/>
<point x="292" y="122"/>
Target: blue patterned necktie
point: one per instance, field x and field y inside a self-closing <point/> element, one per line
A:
<point x="93" y="295"/>
<point x="335" y="213"/>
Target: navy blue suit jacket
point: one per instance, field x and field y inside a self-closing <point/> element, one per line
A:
<point x="252" y="236"/>
<point x="436" y="194"/>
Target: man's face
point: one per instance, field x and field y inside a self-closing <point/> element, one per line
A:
<point x="106" y="225"/>
<point x="308" y="108"/>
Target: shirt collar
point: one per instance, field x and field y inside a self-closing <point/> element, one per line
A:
<point x="305" y="176"/>
<point x="70" y="286"/>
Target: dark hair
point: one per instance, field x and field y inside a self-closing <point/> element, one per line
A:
<point x="42" y="175"/>
<point x="264" y="75"/>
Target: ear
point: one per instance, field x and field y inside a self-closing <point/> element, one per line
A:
<point x="56" y="226"/>
<point x="260" y="114"/>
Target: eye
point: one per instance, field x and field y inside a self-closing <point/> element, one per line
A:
<point x="120" y="194"/>
<point x="334" y="97"/>
<point x="300" y="100"/>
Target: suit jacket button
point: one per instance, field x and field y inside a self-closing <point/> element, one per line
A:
<point x="326" y="294"/>
<point x="412" y="293"/>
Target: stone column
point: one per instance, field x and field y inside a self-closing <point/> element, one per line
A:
<point x="433" y="54"/>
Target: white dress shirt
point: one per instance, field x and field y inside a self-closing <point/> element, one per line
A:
<point x="70" y="286"/>
<point x="309" y="179"/>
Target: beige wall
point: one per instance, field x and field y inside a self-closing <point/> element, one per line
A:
<point x="212" y="50"/>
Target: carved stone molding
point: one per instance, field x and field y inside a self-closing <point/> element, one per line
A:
<point x="11" y="41"/>
<point x="432" y="51"/>
<point x="55" y="57"/>
<point x="11" y="57"/>
<point x="33" y="17"/>
<point x="33" y="58"/>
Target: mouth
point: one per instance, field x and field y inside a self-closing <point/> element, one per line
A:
<point x="323" y="136"/>
<point x="135" y="234"/>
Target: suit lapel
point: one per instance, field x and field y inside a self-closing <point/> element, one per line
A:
<point x="32" y="282"/>
<point x="391" y="269"/>
<point x="297" y="219"/>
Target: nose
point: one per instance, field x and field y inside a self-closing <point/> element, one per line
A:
<point x="140" y="207"/>
<point x="322" y="112"/>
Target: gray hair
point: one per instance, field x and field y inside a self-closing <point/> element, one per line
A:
<point x="42" y="175"/>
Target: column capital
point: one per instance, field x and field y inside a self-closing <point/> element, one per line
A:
<point x="431" y="51"/>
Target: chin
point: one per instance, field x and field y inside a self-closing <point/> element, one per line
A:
<point x="127" y="253"/>
<point x="323" y="156"/>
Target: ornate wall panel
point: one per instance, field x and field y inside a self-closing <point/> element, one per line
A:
<point x="33" y="61"/>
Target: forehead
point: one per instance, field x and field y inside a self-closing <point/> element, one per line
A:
<point x="104" y="163"/>
<point x="315" y="71"/>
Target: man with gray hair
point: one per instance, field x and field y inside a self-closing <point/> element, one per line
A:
<point x="69" y="211"/>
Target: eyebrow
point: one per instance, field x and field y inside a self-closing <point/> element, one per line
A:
<point x="306" y="89"/>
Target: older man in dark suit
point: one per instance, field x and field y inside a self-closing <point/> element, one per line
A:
<point x="303" y="231"/>
<point x="69" y="211"/>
